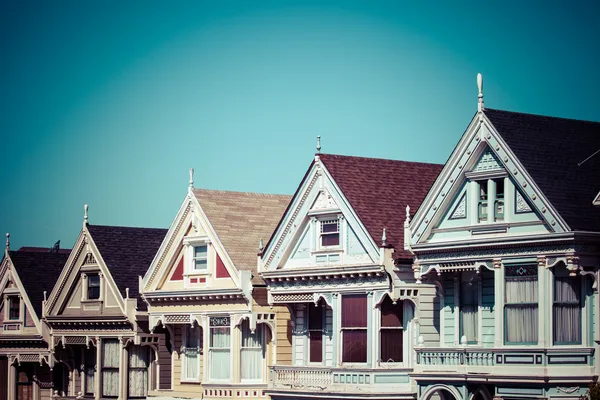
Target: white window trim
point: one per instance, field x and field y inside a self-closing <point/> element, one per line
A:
<point x="189" y="243"/>
<point x="21" y="319"/>
<point x="84" y="285"/>
<point x="307" y="337"/>
<point x="457" y="305"/>
<point x="263" y="345"/>
<point x="184" y="361"/>
<point x="317" y="249"/>
<point x="340" y="353"/>
<point x="405" y="338"/>
<point x="584" y="310"/>
<point x="209" y="379"/>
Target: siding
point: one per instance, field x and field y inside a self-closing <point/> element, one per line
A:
<point x="429" y="311"/>
<point x="283" y="333"/>
<point x="448" y="311"/>
<point x="329" y="336"/>
<point x="164" y="363"/>
<point x="488" y="309"/>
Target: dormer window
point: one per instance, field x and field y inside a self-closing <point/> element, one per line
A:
<point x="330" y="232"/>
<point x="14" y="308"/>
<point x="200" y="259"/>
<point x="93" y="286"/>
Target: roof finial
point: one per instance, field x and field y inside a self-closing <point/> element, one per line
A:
<point x="407" y="220"/>
<point x="191" y="178"/>
<point x="318" y="144"/>
<point x="85" y="215"/>
<point x="7" y="241"/>
<point x="261" y="246"/>
<point x="480" y="106"/>
<point x="383" y="238"/>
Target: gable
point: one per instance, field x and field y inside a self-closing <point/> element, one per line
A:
<point x="191" y="257"/>
<point x="85" y="274"/>
<point x="483" y="191"/>
<point x="11" y="285"/>
<point x="319" y="229"/>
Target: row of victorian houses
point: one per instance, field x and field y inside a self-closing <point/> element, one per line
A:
<point x="377" y="279"/>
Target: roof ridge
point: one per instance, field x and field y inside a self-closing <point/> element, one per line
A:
<point x="126" y="227"/>
<point x="541" y="115"/>
<point x="238" y="192"/>
<point x="379" y="159"/>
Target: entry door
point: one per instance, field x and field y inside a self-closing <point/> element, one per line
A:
<point x="24" y="386"/>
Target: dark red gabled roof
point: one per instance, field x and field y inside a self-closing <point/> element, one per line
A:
<point x="379" y="191"/>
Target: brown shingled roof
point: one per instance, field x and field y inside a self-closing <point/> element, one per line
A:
<point x="240" y="220"/>
<point x="379" y="191"/>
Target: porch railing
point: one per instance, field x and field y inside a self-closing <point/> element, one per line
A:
<point x="477" y="357"/>
<point x="301" y="377"/>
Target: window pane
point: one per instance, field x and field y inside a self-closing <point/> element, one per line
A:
<point x="315" y="317"/>
<point x="522" y="324"/>
<point x="354" y="346"/>
<point x="15" y="308"/>
<point x="200" y="252"/>
<point x="330" y="239"/>
<point x="391" y="345"/>
<point x="521" y="303"/>
<point x="200" y="264"/>
<point x="567" y="310"/>
<point x="220" y="360"/>
<point x="391" y="314"/>
<point x="469" y="312"/>
<point x="330" y="226"/>
<point x="354" y="311"/>
<point x="93" y="286"/>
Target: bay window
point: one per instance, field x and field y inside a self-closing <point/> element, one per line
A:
<point x="191" y="353"/>
<point x="252" y="352"/>
<point x="219" y="348"/>
<point x="391" y="331"/>
<point x="111" y="352"/>
<point x="566" y="312"/>
<point x="521" y="304"/>
<point x="315" y="333"/>
<point x="354" y="328"/>
<point x="468" y="307"/>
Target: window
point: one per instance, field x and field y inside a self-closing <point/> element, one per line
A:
<point x="220" y="348"/>
<point x="330" y="232"/>
<point x="483" y="200"/>
<point x="315" y="333"/>
<point x="90" y="369"/>
<point x="200" y="258"/>
<point x="111" y="354"/>
<point x="139" y="359"/>
<point x="567" y="310"/>
<point x="354" y="328"/>
<point x="499" y="202"/>
<point x="468" y="307"/>
<point x="14" y="308"/>
<point x="192" y="349"/>
<point x="252" y="352"/>
<point x="391" y="331"/>
<point x="521" y="304"/>
<point x="93" y="286"/>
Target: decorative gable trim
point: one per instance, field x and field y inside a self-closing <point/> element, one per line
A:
<point x="317" y="190"/>
<point x="9" y="272"/>
<point x="460" y="211"/>
<point x="479" y="135"/>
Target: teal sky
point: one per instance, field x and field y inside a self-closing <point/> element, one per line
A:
<point x="110" y="103"/>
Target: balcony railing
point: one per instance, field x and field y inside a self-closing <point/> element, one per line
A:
<point x="353" y="380"/>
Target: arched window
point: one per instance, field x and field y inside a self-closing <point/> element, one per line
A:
<point x="391" y="331"/>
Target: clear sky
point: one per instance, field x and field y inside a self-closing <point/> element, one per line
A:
<point x="111" y="102"/>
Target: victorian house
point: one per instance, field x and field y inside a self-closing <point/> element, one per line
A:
<point x="203" y="291"/>
<point x="99" y="340"/>
<point x="26" y="276"/>
<point x="509" y="238"/>
<point x="337" y="261"/>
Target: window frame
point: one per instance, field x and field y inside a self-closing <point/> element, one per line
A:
<point x="99" y="286"/>
<point x="184" y="361"/>
<point x="506" y="305"/>
<point x="458" y="284"/>
<point x="344" y="329"/>
<point x="219" y="320"/>
<point x="11" y="299"/>
<point x="323" y="234"/>
<point x="196" y="258"/>
<point x="262" y="348"/>
<point x="320" y="329"/>
<point x="401" y="328"/>
<point x="579" y="290"/>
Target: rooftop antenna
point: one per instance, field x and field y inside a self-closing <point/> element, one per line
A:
<point x="581" y="163"/>
<point x="480" y="106"/>
<point x="318" y="144"/>
<point x="191" y="178"/>
<point x="85" y="215"/>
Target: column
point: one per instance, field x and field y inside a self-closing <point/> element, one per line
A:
<point x="335" y="335"/>
<point x="542" y="302"/>
<point x="498" y="303"/>
<point x="123" y="375"/>
<point x="84" y="286"/>
<point x="98" y="373"/>
<point x="473" y="203"/>
<point x="370" y="332"/>
<point x="12" y="380"/>
<point x="491" y="201"/>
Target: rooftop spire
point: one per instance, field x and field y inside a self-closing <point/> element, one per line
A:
<point x="318" y="144"/>
<point x="85" y="215"/>
<point x="407" y="220"/>
<point x="7" y="241"/>
<point x="261" y="246"/>
<point x="480" y="106"/>
<point x="191" y="178"/>
<point x="383" y="238"/>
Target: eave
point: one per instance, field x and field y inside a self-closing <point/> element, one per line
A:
<point x="320" y="273"/>
<point x="194" y="295"/>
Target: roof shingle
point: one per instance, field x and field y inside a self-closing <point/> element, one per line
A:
<point x="379" y="191"/>
<point x="552" y="151"/>
<point x="240" y="220"/>
<point x="127" y="253"/>
<point x="38" y="271"/>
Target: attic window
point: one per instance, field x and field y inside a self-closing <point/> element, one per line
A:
<point x="200" y="258"/>
<point x="330" y="232"/>
<point x="14" y="310"/>
<point x="93" y="289"/>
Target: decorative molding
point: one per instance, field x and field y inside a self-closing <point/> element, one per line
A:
<point x="293" y="298"/>
<point x="487" y="162"/>
<point x="89" y="259"/>
<point x="460" y="211"/>
<point x="521" y="205"/>
<point x="325" y="296"/>
<point x="324" y="201"/>
<point x="568" y="390"/>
